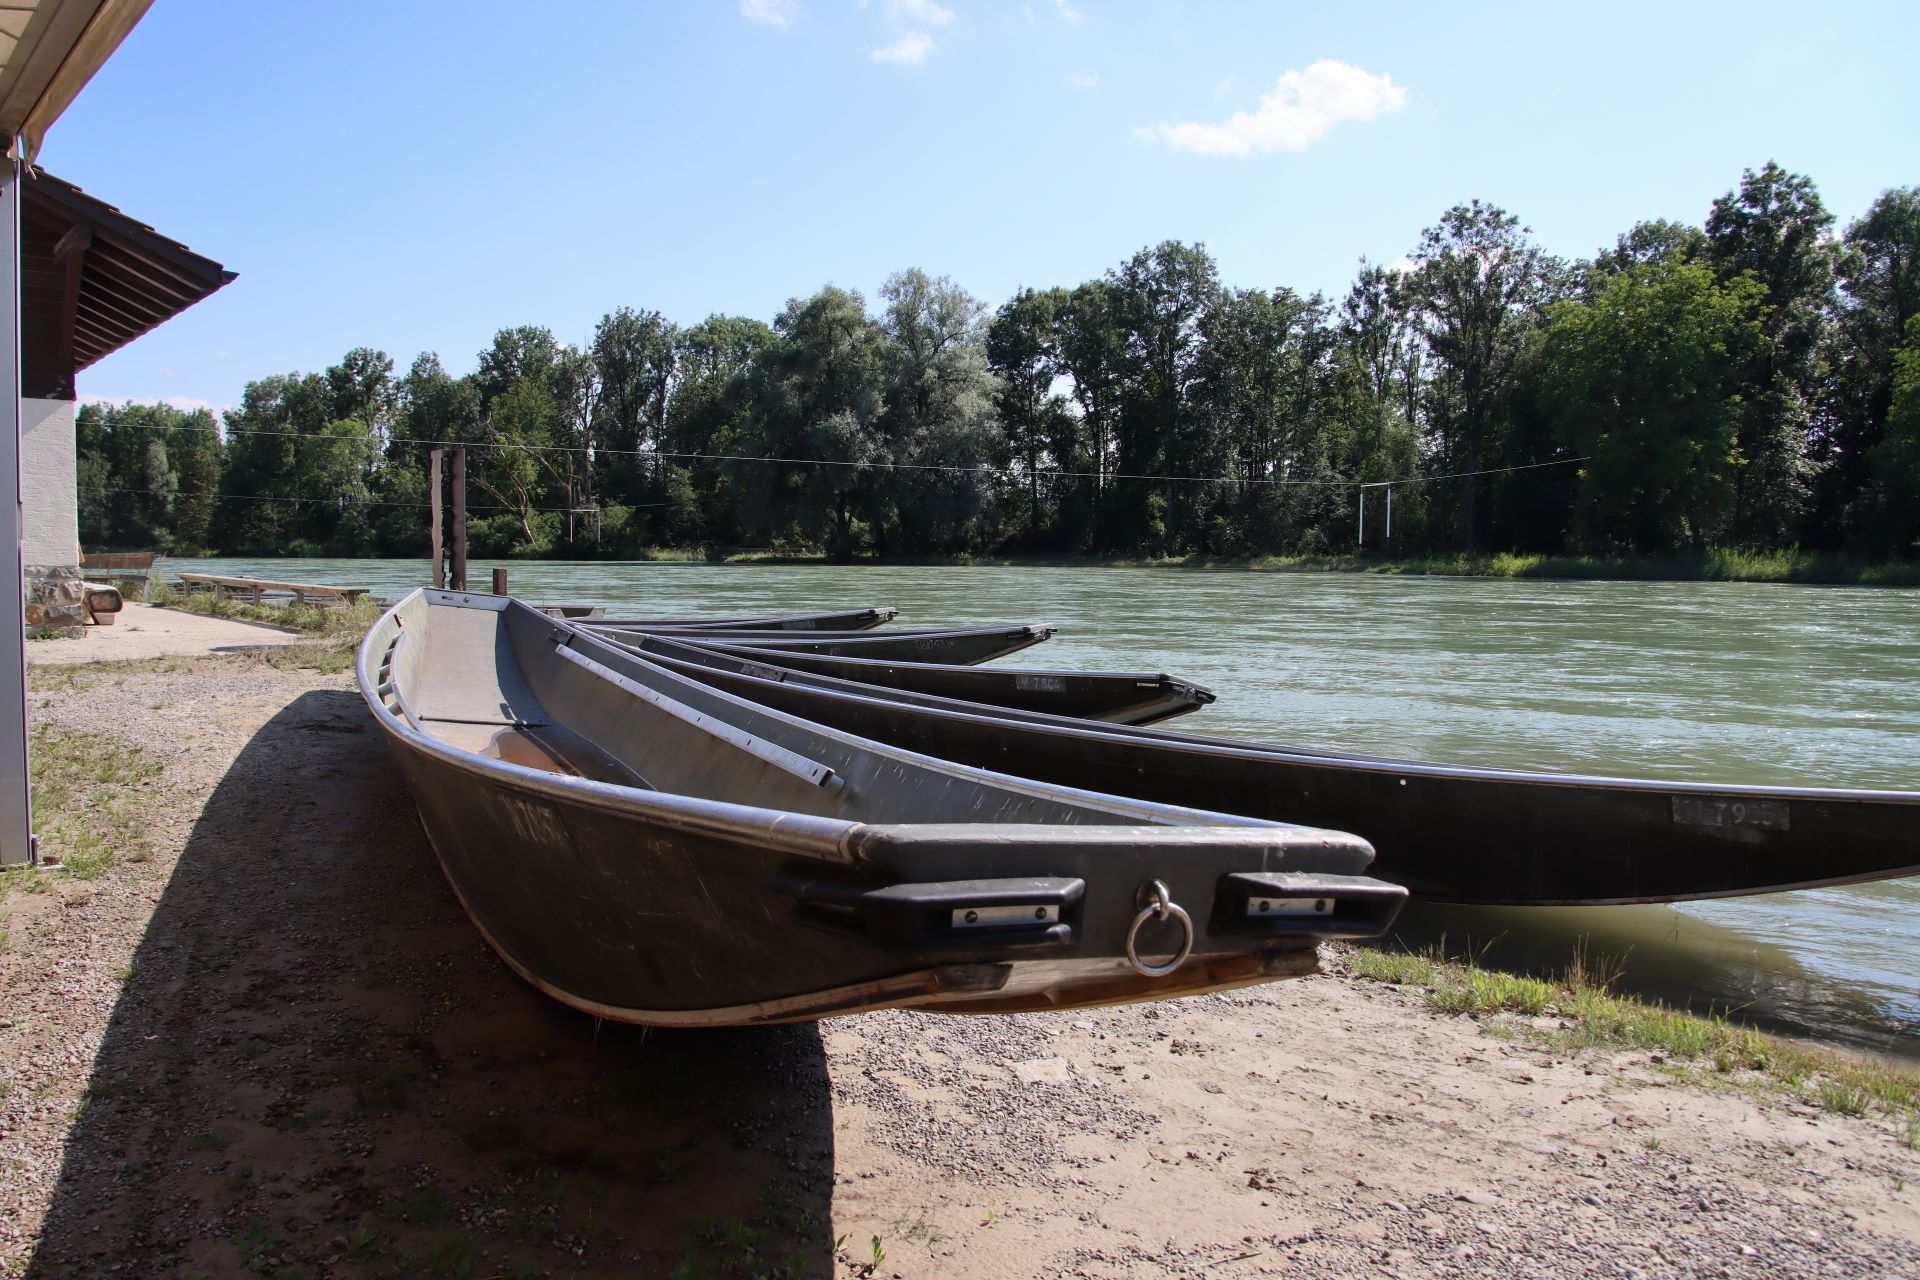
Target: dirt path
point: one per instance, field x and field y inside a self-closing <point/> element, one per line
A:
<point x="144" y="631"/>
<point x="278" y="1048"/>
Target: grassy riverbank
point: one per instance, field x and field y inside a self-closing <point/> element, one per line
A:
<point x="308" y="619"/>
<point x="1578" y="1011"/>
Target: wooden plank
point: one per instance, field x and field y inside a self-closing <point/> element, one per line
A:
<point x="73" y="249"/>
<point x="118" y="559"/>
<point x="221" y="584"/>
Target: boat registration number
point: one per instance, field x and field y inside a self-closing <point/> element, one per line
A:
<point x="1730" y="811"/>
<point x="1040" y="684"/>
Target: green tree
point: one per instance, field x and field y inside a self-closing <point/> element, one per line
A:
<point x="1773" y="227"/>
<point x="1896" y="458"/>
<point x="1023" y="352"/>
<point x="706" y="418"/>
<point x="635" y="353"/>
<point x="1643" y="377"/>
<point x="1479" y="283"/>
<point x="1164" y="294"/>
<point x="938" y="419"/>
<point x="519" y="469"/>
<point x="814" y="400"/>
<point x="1879" y="270"/>
<point x="1093" y="354"/>
<point x="197" y="462"/>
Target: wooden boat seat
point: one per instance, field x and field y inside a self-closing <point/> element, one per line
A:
<point x="474" y="677"/>
<point x="473" y="698"/>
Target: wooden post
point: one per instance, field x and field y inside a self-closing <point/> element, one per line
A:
<point x="499" y="582"/>
<point x="460" y="517"/>
<point x="436" y="532"/>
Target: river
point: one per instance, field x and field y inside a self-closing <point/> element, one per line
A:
<point x="1724" y="682"/>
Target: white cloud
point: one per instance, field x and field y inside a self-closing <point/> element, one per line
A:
<point x="1068" y="12"/>
<point x="770" y="13"/>
<point x="910" y="49"/>
<point x="1083" y="79"/>
<point x="1303" y="106"/>
<point x="1220" y="90"/>
<point x="925" y="12"/>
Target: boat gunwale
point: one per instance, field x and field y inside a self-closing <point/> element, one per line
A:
<point x="1206" y="744"/>
<point x="776" y="656"/>
<point x="838" y="840"/>
<point x="1067" y="727"/>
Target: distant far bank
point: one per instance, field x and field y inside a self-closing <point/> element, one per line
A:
<point x="1799" y="567"/>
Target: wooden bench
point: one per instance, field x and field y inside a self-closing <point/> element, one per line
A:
<point x="123" y="569"/>
<point x="256" y="590"/>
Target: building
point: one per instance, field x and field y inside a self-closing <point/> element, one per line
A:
<point x="92" y="280"/>
<point x="78" y="279"/>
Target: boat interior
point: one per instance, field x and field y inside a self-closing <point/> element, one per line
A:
<point x="500" y="681"/>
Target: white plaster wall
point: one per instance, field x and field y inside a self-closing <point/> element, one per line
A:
<point x="49" y="494"/>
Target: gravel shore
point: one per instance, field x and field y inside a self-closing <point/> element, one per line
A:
<point x="276" y="1047"/>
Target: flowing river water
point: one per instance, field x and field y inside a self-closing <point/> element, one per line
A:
<point x="1723" y="682"/>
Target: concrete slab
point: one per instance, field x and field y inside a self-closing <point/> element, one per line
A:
<point x="143" y="631"/>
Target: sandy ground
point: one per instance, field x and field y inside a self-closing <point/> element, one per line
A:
<point x="278" y="1048"/>
<point x="142" y="631"/>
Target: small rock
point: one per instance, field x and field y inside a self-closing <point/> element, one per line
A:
<point x="1042" y="1070"/>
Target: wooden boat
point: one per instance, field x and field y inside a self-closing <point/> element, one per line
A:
<point x="647" y="848"/>
<point x="845" y="620"/>
<point x="964" y="646"/>
<point x="1117" y="697"/>
<point x="1448" y="833"/>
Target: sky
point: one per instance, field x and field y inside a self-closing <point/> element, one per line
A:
<point x="413" y="177"/>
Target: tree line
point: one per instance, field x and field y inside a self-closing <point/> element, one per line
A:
<point x="1750" y="382"/>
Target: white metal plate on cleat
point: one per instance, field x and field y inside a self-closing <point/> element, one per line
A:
<point x="1289" y="906"/>
<point x="985" y="917"/>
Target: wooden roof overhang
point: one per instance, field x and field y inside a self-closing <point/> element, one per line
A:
<point x="92" y="280"/>
<point x="49" y="49"/>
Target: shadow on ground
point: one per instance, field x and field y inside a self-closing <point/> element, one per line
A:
<point x="317" y="1068"/>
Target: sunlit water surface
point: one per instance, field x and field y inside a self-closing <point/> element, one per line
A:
<point x="1724" y="682"/>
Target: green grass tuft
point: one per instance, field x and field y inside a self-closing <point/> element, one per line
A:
<point x="309" y="619"/>
<point x="90" y="791"/>
<point x="1399" y="968"/>
<point x="1591" y="1017"/>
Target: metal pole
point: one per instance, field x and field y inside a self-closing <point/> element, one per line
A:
<point x="460" y="518"/>
<point x="436" y="531"/>
<point x="16" y="797"/>
<point x="1362" y="539"/>
<point x="1389" y="537"/>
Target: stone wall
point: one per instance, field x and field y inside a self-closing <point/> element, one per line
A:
<point x="55" y="601"/>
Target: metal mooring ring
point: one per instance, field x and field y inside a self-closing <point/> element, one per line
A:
<point x="1162" y="906"/>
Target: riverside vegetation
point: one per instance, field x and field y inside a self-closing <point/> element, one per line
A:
<point x="1577" y="1010"/>
<point x="1711" y="399"/>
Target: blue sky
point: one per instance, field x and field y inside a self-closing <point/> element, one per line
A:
<point x="415" y="176"/>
